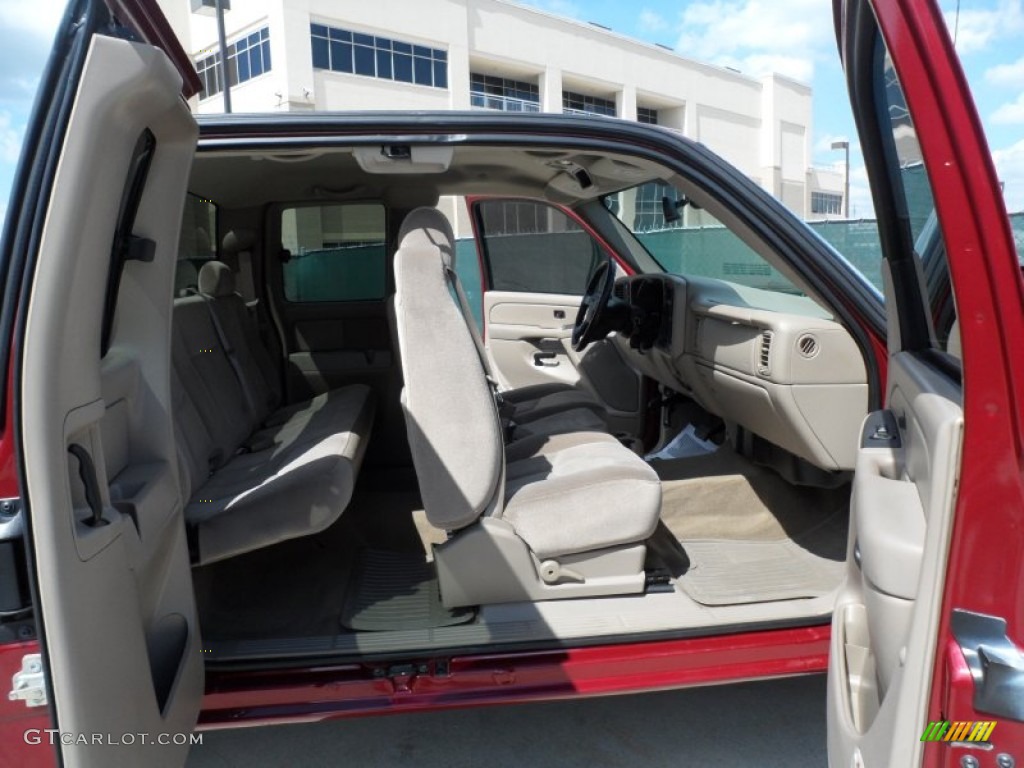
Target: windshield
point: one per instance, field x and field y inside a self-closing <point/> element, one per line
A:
<point x="688" y="241"/>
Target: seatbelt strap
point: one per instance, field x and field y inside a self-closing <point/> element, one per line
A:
<point x="229" y="350"/>
<point x="246" y="281"/>
<point x="506" y="411"/>
<point x="467" y="315"/>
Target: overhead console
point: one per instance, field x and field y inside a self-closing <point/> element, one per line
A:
<point x="773" y="364"/>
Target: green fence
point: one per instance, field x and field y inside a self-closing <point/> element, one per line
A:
<point x="715" y="252"/>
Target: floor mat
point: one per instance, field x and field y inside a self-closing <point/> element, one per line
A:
<point x="725" y="496"/>
<point x="737" y="572"/>
<point x="397" y="590"/>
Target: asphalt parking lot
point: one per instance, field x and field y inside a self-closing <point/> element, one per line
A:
<point x="765" y="724"/>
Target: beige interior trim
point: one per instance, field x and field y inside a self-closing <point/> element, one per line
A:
<point x="771" y="363"/>
<point x="520" y="325"/>
<point x="887" y="612"/>
<point x="117" y="600"/>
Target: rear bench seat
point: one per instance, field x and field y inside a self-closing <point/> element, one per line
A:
<point x="254" y="473"/>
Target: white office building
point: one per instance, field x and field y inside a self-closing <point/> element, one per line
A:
<point x="288" y="55"/>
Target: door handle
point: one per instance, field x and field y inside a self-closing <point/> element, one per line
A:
<point x="546" y="359"/>
<point x="995" y="661"/>
<point x="87" y="471"/>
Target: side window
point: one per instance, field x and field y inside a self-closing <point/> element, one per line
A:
<point x="689" y="241"/>
<point x="914" y="217"/>
<point x="535" y="247"/>
<point x="196" y="243"/>
<point x="336" y="252"/>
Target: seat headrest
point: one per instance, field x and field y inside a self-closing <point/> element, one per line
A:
<point x="428" y="225"/>
<point x="238" y="240"/>
<point x="216" y="279"/>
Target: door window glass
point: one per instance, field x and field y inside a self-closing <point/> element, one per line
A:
<point x="914" y="216"/>
<point x="536" y="248"/>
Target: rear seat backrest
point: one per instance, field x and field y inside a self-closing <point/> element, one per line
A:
<point x="252" y="361"/>
<point x="193" y="440"/>
<point x="208" y="378"/>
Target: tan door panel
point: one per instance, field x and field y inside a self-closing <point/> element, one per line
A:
<point x="529" y="342"/>
<point x="114" y="578"/>
<point x="527" y="336"/>
<point x="888" y="608"/>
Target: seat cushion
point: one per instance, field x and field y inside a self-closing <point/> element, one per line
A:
<point x="579" y="492"/>
<point x="538" y="400"/>
<point x="315" y="418"/>
<point x="561" y="423"/>
<point x="552" y="409"/>
<point x="297" y="486"/>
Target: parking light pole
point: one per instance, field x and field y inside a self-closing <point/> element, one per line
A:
<point x="844" y="145"/>
<point x="217" y="8"/>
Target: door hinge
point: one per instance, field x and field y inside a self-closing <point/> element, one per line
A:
<point x="995" y="661"/>
<point x="403" y="677"/>
<point x="29" y="684"/>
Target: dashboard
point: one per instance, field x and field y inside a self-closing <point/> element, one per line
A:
<point x="775" y="364"/>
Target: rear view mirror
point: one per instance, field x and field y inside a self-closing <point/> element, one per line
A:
<point x="671" y="208"/>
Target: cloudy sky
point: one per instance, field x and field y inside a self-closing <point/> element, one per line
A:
<point x="796" y="38"/>
<point x="793" y="37"/>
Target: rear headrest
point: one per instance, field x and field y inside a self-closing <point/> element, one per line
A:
<point x="428" y="225"/>
<point x="216" y="279"/>
<point x="238" y="240"/>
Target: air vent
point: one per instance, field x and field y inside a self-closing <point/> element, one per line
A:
<point x="619" y="290"/>
<point x="807" y="345"/>
<point x="765" y="356"/>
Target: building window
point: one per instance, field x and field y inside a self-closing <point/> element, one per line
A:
<point x="488" y="92"/>
<point x="341" y="50"/>
<point x="826" y="202"/>
<point x="647" y="115"/>
<point x="248" y="57"/>
<point x="581" y="104"/>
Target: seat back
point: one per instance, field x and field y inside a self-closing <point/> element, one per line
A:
<point x="251" y="360"/>
<point x="451" y="418"/>
<point x="427" y="225"/>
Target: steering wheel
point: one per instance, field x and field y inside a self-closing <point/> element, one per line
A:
<point x="588" y="327"/>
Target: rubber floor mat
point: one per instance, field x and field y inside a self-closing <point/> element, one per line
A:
<point x="395" y="591"/>
<point x="739" y="572"/>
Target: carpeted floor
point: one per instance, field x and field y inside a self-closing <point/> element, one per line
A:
<point x="731" y="533"/>
<point x="749" y="535"/>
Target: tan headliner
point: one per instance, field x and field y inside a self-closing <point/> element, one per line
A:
<point x="240" y="179"/>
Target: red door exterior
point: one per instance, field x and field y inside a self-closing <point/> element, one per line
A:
<point x="986" y="561"/>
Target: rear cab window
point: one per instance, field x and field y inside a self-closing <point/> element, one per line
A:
<point x="334" y="253"/>
<point x="197" y="243"/>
